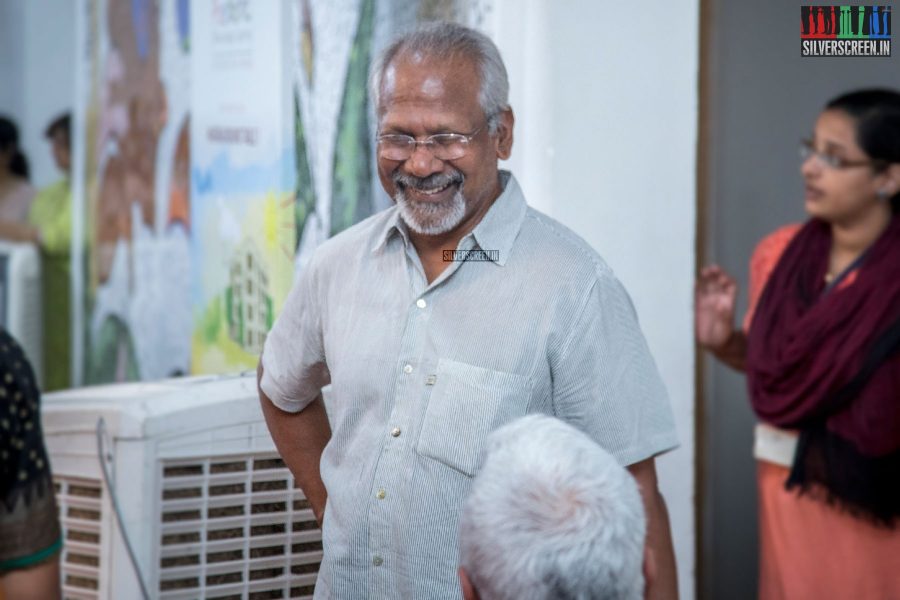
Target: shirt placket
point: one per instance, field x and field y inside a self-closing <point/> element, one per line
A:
<point x="397" y="457"/>
<point x="396" y="454"/>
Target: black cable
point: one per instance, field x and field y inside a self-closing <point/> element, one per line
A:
<point x="101" y="433"/>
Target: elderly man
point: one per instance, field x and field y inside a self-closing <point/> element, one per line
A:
<point x="551" y="516"/>
<point x="438" y="320"/>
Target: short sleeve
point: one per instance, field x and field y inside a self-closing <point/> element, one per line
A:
<point x="605" y="381"/>
<point x="762" y="262"/>
<point x="293" y="359"/>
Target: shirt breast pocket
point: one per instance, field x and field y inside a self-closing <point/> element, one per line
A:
<point x="466" y="404"/>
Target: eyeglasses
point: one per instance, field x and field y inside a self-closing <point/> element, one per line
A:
<point x="443" y="146"/>
<point x="832" y="161"/>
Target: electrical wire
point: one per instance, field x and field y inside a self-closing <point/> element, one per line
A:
<point x="101" y="435"/>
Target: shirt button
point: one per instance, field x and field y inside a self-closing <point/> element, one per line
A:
<point x="407" y="369"/>
<point x="421" y="303"/>
<point x="377" y="561"/>
<point x="380" y="495"/>
<point x="395" y="432"/>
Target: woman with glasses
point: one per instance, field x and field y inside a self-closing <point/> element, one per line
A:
<point x="821" y="348"/>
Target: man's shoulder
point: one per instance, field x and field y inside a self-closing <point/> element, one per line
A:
<point x="548" y="243"/>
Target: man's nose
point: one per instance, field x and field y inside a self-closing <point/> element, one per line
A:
<point x="422" y="162"/>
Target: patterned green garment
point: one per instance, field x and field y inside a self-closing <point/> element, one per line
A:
<point x="29" y="524"/>
<point x="51" y="213"/>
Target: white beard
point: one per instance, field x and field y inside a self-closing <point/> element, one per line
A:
<point x="430" y="218"/>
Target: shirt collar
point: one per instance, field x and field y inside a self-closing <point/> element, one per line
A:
<point x="392" y="225"/>
<point x="496" y="231"/>
<point x="499" y="228"/>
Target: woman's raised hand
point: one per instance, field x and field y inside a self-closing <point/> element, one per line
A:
<point x="714" y="300"/>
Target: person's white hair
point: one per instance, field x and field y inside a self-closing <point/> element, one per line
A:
<point x="450" y="41"/>
<point x="551" y="515"/>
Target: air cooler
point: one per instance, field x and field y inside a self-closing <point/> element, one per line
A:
<point x="20" y="299"/>
<point x="209" y="507"/>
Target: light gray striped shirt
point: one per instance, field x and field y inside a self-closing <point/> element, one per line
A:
<point x="421" y="374"/>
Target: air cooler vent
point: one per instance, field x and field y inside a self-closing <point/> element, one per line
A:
<point x="79" y="503"/>
<point x="235" y="527"/>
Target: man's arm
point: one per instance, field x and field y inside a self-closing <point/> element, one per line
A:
<point x="659" y="535"/>
<point x="606" y="383"/>
<point x="300" y="439"/>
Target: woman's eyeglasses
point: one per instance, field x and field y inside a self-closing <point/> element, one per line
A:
<point x="832" y="161"/>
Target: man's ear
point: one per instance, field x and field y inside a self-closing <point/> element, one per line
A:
<point x="504" y="133"/>
<point x="649" y="571"/>
<point x="468" y="590"/>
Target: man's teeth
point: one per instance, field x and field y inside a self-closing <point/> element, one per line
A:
<point x="433" y="191"/>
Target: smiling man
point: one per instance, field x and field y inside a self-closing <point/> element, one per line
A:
<point x="440" y="319"/>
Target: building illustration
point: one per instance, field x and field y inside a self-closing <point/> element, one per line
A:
<point x="248" y="305"/>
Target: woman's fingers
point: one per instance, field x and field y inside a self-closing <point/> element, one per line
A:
<point x="713" y="280"/>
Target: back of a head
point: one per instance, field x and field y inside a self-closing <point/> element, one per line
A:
<point x="451" y="41"/>
<point x="9" y="144"/>
<point x="61" y="125"/>
<point x="552" y="515"/>
<point x="9" y="133"/>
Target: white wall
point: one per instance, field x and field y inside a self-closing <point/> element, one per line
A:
<point x="37" y="49"/>
<point x="11" y="52"/>
<point x="606" y="103"/>
<point x="49" y="78"/>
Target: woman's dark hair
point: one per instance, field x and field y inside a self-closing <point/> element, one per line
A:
<point x="9" y="140"/>
<point x="877" y="116"/>
<point x="61" y="124"/>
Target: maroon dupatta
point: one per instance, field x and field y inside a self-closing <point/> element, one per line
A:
<point x="829" y="365"/>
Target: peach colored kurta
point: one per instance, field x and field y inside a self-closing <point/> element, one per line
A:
<point x="810" y="550"/>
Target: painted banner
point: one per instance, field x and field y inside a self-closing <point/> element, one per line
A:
<point x="133" y="192"/>
<point x="242" y="182"/>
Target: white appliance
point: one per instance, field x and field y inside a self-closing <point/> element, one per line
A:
<point x="209" y="507"/>
<point x="20" y="300"/>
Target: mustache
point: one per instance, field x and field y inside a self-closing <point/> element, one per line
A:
<point x="432" y="182"/>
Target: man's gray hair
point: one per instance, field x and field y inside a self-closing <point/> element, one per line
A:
<point x="451" y="41"/>
<point x="552" y="515"/>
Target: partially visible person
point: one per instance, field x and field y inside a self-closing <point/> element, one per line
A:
<point x="821" y="348"/>
<point x="16" y="194"/>
<point x="49" y="225"/>
<point x="51" y="216"/>
<point x="552" y="516"/>
<point x="30" y="534"/>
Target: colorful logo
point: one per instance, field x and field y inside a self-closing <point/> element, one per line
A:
<point x="845" y="30"/>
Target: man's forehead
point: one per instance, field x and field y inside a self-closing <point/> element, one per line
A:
<point x="403" y="80"/>
<point x="429" y="75"/>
